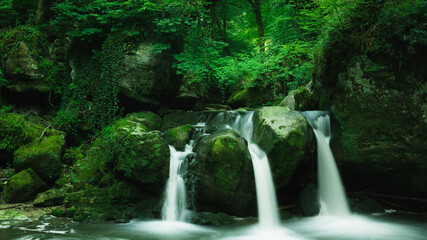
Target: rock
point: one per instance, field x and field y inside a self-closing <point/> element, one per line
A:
<point x="23" y="187"/>
<point x="147" y="77"/>
<point x="88" y="170"/>
<point x="289" y="100"/>
<point x="285" y="136"/>
<point x="309" y="200"/>
<point x="143" y="158"/>
<point x="251" y="96"/>
<point x="179" y="136"/>
<point x="179" y="118"/>
<point x="131" y="150"/>
<point x="43" y="156"/>
<point x="12" y="215"/>
<point x="212" y="219"/>
<point x="189" y="93"/>
<point x="225" y="175"/>
<point x="149" y="119"/>
<point x="52" y="197"/>
<point x="368" y="205"/>
<point x="379" y="119"/>
<point x="300" y="98"/>
<point x="15" y="131"/>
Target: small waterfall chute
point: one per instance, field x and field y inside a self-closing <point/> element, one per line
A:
<point x="332" y="197"/>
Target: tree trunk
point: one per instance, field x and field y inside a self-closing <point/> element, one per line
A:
<point x="256" y="6"/>
<point x="221" y="30"/>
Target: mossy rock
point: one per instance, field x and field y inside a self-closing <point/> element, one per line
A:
<point x="285" y="136"/>
<point x="43" y="156"/>
<point x="179" y="136"/>
<point x="179" y="118"/>
<point x="225" y="176"/>
<point x="52" y="197"/>
<point x="151" y="120"/>
<point x="143" y="157"/>
<point x="16" y="131"/>
<point x="12" y="215"/>
<point x="309" y="200"/>
<point x="89" y="170"/>
<point x="23" y="187"/>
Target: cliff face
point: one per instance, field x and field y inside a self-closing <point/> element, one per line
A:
<point x="373" y="80"/>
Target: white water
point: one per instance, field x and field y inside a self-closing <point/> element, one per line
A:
<point x="266" y="196"/>
<point x="175" y="205"/>
<point x="332" y="198"/>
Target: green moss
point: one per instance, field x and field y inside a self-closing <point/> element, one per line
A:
<point x="15" y="131"/>
<point x="43" y="156"/>
<point x="23" y="187"/>
<point x="179" y="136"/>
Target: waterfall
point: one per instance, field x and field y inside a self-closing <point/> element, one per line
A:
<point x="175" y="205"/>
<point x="266" y="195"/>
<point x="332" y="198"/>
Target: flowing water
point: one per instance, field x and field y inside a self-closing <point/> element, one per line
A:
<point x="332" y="197"/>
<point x="335" y="223"/>
<point x="268" y="214"/>
<point x="175" y="205"/>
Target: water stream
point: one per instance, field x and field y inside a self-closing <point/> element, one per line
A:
<point x="332" y="197"/>
<point x="268" y="214"/>
<point x="175" y="205"/>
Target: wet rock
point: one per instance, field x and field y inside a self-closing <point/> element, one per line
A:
<point x="23" y="187"/>
<point x="12" y="215"/>
<point x="285" y="136"/>
<point x="309" y="200"/>
<point x="43" y="156"/>
<point x="179" y="136"/>
<point x="52" y="197"/>
<point x="225" y="176"/>
<point x="212" y="219"/>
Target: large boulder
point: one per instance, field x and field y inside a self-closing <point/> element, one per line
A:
<point x="285" y="136"/>
<point x="179" y="136"/>
<point x="43" y="156"/>
<point x="377" y="97"/>
<point x="23" y="187"/>
<point x="51" y="197"/>
<point x="131" y="150"/>
<point x="147" y="77"/>
<point x="225" y="175"/>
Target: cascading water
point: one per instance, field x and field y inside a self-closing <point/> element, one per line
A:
<point x="331" y="191"/>
<point x="266" y="195"/>
<point x="175" y="205"/>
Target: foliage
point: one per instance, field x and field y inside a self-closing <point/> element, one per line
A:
<point x="29" y="34"/>
<point x="3" y="81"/>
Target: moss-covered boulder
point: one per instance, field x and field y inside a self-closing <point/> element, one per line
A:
<point x="23" y="187"/>
<point x="179" y="136"/>
<point x="43" y="156"/>
<point x="16" y="131"/>
<point x="51" y="197"/>
<point x="143" y="157"/>
<point x="89" y="169"/>
<point x="377" y="97"/>
<point x="225" y="176"/>
<point x="179" y="118"/>
<point x="12" y="215"/>
<point x="285" y="136"/>
<point x="127" y="149"/>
